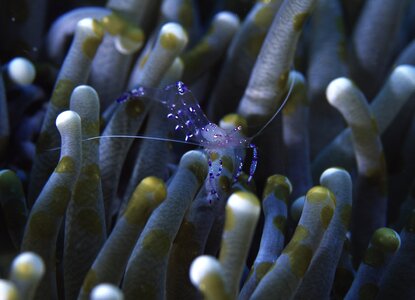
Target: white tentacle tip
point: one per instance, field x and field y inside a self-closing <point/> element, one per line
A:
<point x="174" y="28"/>
<point x="334" y="171"/>
<point x="85" y="23"/>
<point x="106" y="291"/>
<point x="66" y="117"/>
<point x="28" y="265"/>
<point x="296" y="77"/>
<point x="173" y="37"/>
<point x="127" y="46"/>
<point x="406" y="69"/>
<point x="227" y="19"/>
<point x="8" y="291"/>
<point x="406" y="72"/>
<point x="89" y="27"/>
<point x="244" y="203"/>
<point x="130" y="40"/>
<point x="84" y="91"/>
<point x="82" y="95"/>
<point x="203" y="266"/>
<point x="194" y="157"/>
<point x="337" y="87"/>
<point x="21" y="71"/>
<point x="68" y="120"/>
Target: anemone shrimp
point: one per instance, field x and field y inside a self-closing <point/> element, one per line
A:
<point x="185" y="111"/>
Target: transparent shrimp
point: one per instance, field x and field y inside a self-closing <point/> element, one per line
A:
<point x="184" y="109"/>
<point x="190" y="119"/>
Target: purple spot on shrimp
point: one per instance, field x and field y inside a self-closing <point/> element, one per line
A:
<point x="188" y="135"/>
<point x="239" y="170"/>
<point x="134" y="93"/>
<point x="181" y="88"/>
<point x="170" y="116"/>
<point x="254" y="162"/>
<point x="220" y="168"/>
<point x="124" y="97"/>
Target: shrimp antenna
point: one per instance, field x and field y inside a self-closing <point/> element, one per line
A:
<point x="141" y="137"/>
<point x="290" y="89"/>
<point x="132" y="137"/>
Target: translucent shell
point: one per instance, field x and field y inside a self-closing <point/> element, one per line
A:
<point x="184" y="109"/>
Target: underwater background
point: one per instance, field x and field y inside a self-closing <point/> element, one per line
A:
<point x="146" y="198"/>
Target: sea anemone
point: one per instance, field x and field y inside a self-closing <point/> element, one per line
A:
<point x="147" y="198"/>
